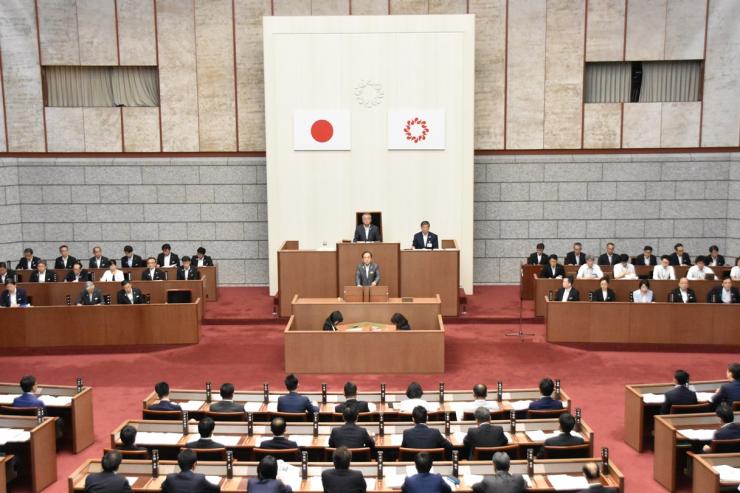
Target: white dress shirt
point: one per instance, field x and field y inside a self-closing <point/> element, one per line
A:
<point x="667" y="273"/>
<point x="696" y="274"/>
<point x="130" y="296"/>
<point x="644" y="260"/>
<point x="64" y="261"/>
<point x="166" y="261"/>
<point x="109" y="276"/>
<point x="712" y="260"/>
<point x="735" y="273"/>
<point x="425" y="238"/>
<point x="42" y="276"/>
<point x="586" y="272"/>
<point x="98" y="262"/>
<point x="726" y="296"/>
<point x="566" y="294"/>
<point x="622" y="271"/>
<point x="367" y="232"/>
<point x="684" y="296"/>
<point x="639" y="297"/>
<point x="200" y="261"/>
<point x="13" y="299"/>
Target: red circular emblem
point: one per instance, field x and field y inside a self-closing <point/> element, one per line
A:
<point x="416" y="130"/>
<point x="322" y="131"/>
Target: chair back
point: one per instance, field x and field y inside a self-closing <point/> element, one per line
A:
<point x="288" y="417"/>
<point x="287" y="454"/>
<point x="408" y="454"/>
<point x="545" y="413"/>
<point x="431" y="416"/>
<point x="486" y="453"/>
<point x="226" y="416"/>
<point x="129" y="454"/>
<point x="500" y="414"/>
<point x="18" y="411"/>
<point x="209" y="453"/>
<point x="358" y="454"/>
<point x="161" y="415"/>
<point x="736" y="406"/>
<point x="702" y="407"/>
<point x="370" y="417"/>
<point x="567" y="451"/>
<point x="725" y="446"/>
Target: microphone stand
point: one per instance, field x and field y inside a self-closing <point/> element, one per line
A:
<point x="520" y="334"/>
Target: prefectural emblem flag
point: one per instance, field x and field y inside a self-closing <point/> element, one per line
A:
<point x="321" y="130"/>
<point x="416" y="129"/>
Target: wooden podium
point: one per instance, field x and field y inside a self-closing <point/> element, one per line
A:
<point x="365" y="294"/>
<point x="349" y="256"/>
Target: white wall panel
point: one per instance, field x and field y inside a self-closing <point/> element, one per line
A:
<point x="96" y="22"/>
<point x="680" y="124"/>
<point x="602" y="125"/>
<point x="102" y="129"/>
<point x="141" y="129"/>
<point x="65" y="130"/>
<point x="646" y="21"/>
<point x="136" y="41"/>
<point x="58" y="32"/>
<point x="642" y="125"/>
<point x="684" y="30"/>
<point x="605" y="33"/>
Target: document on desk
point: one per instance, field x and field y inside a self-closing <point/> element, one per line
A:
<point x="50" y="400"/>
<point x="154" y="438"/>
<point x="394" y="482"/>
<point x="227" y="440"/>
<point x="540" y="436"/>
<point x="215" y="480"/>
<point x="302" y="440"/>
<point x="700" y="435"/>
<point x="397" y="440"/>
<point x="566" y="482"/>
<point x="704" y="396"/>
<point x="727" y="473"/>
<point x="13" y="435"/>
<point x="190" y="406"/>
<point x="653" y="398"/>
<point x="520" y="405"/>
<point x="131" y="480"/>
<point x="8" y="398"/>
<point x="458" y="436"/>
<point x="252" y="407"/>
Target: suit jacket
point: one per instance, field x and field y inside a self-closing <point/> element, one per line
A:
<point x="502" y="482"/>
<point x="730" y="431"/>
<point x="361" y="406"/>
<point x="716" y="295"/>
<point x="104" y="263"/>
<point x="294" y="402"/>
<point x="545" y="403"/>
<point x="27" y="399"/>
<point x="70" y="277"/>
<point x="720" y="260"/>
<point x="158" y="275"/>
<point x="174" y="259"/>
<point x="187" y="275"/>
<point x="207" y="261"/>
<point x="640" y="260"/>
<point x="598" y="295"/>
<point x="9" y="274"/>
<point x="123" y="299"/>
<point x="84" y="297"/>
<point x="418" y="242"/>
<point x="598" y="488"/>
<point x="729" y="393"/>
<point x="532" y="259"/>
<point x="674" y="259"/>
<point x="59" y="262"/>
<point x="373" y="233"/>
<point x="255" y="485"/>
<point x="24" y="264"/>
<point x="422" y="436"/>
<point x="574" y="295"/>
<point x="425" y="483"/>
<point x="204" y="443"/>
<point x="677" y="395"/>
<point x="485" y="435"/>
<point x="278" y="443"/>
<point x="131" y="448"/>
<point x="570" y="258"/>
<point x="604" y="259"/>
<point x="351" y="436"/>
<point x="135" y="261"/>
<point x="343" y="481"/>
<point x="546" y="272"/>
<point x="48" y="275"/>
<point x="20" y="295"/>
<point x="165" y="406"/>
<point x="106" y="482"/>
<point x="564" y="440"/>
<point x="675" y="295"/>
<point x="226" y="407"/>
<point x="188" y="482"/>
<point x="361" y="279"/>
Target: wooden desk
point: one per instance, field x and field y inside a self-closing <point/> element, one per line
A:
<point x="453" y="399"/>
<point x="638" y="414"/>
<point x="4" y="464"/>
<point x="77" y="415"/>
<point x="242" y="471"/>
<point x="706" y="479"/>
<point x="309" y="349"/>
<point x="427" y="273"/>
<point x="386" y="255"/>
<point x="102" y="325"/>
<point x="38" y="453"/>
<point x="308" y="273"/>
<point x="638" y="323"/>
<point x="668" y="437"/>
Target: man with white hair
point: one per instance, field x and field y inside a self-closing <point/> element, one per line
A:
<point x="90" y="295"/>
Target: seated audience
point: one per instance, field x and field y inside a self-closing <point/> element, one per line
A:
<point x="28" y="261"/>
<point x="130" y="259"/>
<point x="278" y="441"/>
<point x="167" y="259"/>
<point x="42" y="274"/>
<point x="64" y="260"/>
<point x="187" y="481"/>
<point x="664" y="271"/>
<point x="113" y="274"/>
<point x="293" y="402"/>
<point x="187" y="272"/>
<point x="97" y="261"/>
<point x="682" y="294"/>
<point x="480" y="392"/>
<point x="647" y="257"/>
<point x="624" y="270"/>
<point x="593" y="475"/>
<point x="200" y="259"/>
<point x="226" y="404"/>
<point x="349" y="434"/>
<point x="350" y="400"/>
<point x="700" y="271"/>
<point x="414" y="394"/>
<point x="90" y="295"/>
<point x="680" y="394"/>
<point x="679" y="256"/>
<point x="575" y="257"/>
<point x="539" y="257"/>
<point x="604" y="293"/>
<point x="422" y="436"/>
<point x="205" y="430"/>
<point x="152" y="273"/>
<point x="129" y="295"/>
<point x="128" y="439"/>
<point x="726" y="293"/>
<point x="483" y="435"/>
<point x="266" y="480"/>
<point x="609" y="258"/>
<point x="107" y="481"/>
<point x="730" y="430"/>
<point x="424" y="481"/>
<point x="735" y="271"/>
<point x="5" y="274"/>
<point x="567" y="292"/>
<point x="13" y="296"/>
<point x="547" y="387"/>
<point x="163" y="404"/>
<point x="729" y="392"/>
<point x="566" y="437"/>
<point x="28" y="397"/>
<point x="553" y="270"/>
<point x="643" y="294"/>
<point x="714" y="259"/>
<point x="342" y="479"/>
<point x="589" y="270"/>
<point x="77" y="274"/>
<point x="502" y="481"/>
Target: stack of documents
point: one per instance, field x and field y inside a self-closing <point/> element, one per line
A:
<point x="702" y="435"/>
<point x="227" y="440"/>
<point x="8" y="398"/>
<point x="520" y="405"/>
<point x="13" y="435"/>
<point x="191" y="405"/>
<point x="50" y="400"/>
<point x="154" y="438"/>
<point x="704" y="396"/>
<point x="540" y="436"/>
<point x="728" y="474"/>
<point x="566" y="482"/>
<point x="653" y="398"/>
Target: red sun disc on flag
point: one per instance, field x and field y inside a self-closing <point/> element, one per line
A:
<point x="322" y="131"/>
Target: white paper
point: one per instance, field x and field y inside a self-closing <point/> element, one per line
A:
<point x="702" y="435"/>
<point x="395" y="481"/>
<point x="272" y="407"/>
<point x="153" y="438"/>
<point x="728" y="473"/>
<point x="520" y="405"/>
<point x="566" y="482"/>
<point x="527" y="480"/>
<point x="50" y="400"/>
<point x="302" y="440"/>
<point x="370" y="483"/>
<point x="458" y="436"/>
<point x="253" y="407"/>
<point x="396" y="441"/>
<point x="653" y="398"/>
<point x="13" y="435"/>
<point x="8" y="398"/>
<point x="704" y="396"/>
<point x="540" y="436"/>
<point x="191" y="405"/>
<point x="214" y="480"/>
<point x="471" y="479"/>
<point x="314" y="483"/>
<point x="227" y="440"/>
<point x="332" y="398"/>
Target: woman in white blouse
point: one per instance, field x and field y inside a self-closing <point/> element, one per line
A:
<point x="643" y="294"/>
<point x="735" y="272"/>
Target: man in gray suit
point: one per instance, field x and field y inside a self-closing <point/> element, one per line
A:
<point x="366" y="231"/>
<point x="368" y="272"/>
<point x="502" y="482"/>
<point x="90" y="295"/>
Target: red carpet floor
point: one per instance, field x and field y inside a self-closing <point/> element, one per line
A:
<point x="251" y="355"/>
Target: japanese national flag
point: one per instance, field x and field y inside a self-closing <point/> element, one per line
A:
<point x="321" y="130"/>
<point x="416" y="129"/>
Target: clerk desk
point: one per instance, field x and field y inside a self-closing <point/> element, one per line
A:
<point x="706" y="479"/>
<point x="37" y="453"/>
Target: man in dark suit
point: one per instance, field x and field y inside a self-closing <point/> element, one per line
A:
<point x="349" y="434"/>
<point x="424" y="481"/>
<point x="484" y="435"/>
<point x="576" y="257"/>
<point x="77" y="274"/>
<point x="227" y="404"/>
<point x="368" y="272"/>
<point x="90" y="295"/>
<point x="28" y="397"/>
<point x="730" y="430"/>
<point x="366" y="231"/>
<point x="567" y="423"/>
<point x="727" y="293"/>
<point x="547" y="387"/>
<point x="200" y="259"/>
<point x="424" y="239"/>
<point x="680" y="394"/>
<point x="729" y="392"/>
<point x="539" y="257"/>
<point x="342" y="479"/>
<point x="129" y="295"/>
<point x="679" y="256"/>
<point x="682" y="294"/>
<point x="152" y="273"/>
<point x="108" y="481"/>
<point x="553" y="270"/>
<point x="128" y="439"/>
<point x="604" y="293"/>
<point x="568" y="292"/>
<point x="130" y="259"/>
<point x="187" y="272"/>
<point x="64" y="260"/>
<point x="167" y="259"/>
<point x="187" y="481"/>
<point x="13" y="296"/>
<point x="293" y="402"/>
<point x="28" y="261"/>
<point x="42" y="274"/>
<point x="5" y="274"/>
<point x="502" y="481"/>
<point x="266" y="480"/>
<point x="647" y="257"/>
<point x="593" y="476"/>
<point x="97" y="261"/>
<point x="162" y="390"/>
<point x="609" y="258"/>
<point x="422" y="436"/>
<point x="715" y="259"/>
<point x="205" y="430"/>
<point x="350" y="396"/>
<point x="278" y="441"/>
